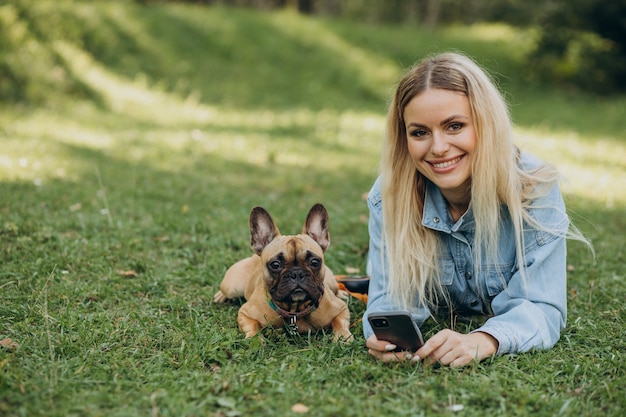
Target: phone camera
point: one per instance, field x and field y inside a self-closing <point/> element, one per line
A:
<point x="380" y="323"/>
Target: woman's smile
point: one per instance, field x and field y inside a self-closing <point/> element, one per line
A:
<point x="442" y="165"/>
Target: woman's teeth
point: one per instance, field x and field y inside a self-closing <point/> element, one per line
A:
<point x="447" y="163"/>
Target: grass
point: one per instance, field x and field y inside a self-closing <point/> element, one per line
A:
<point x="126" y="184"/>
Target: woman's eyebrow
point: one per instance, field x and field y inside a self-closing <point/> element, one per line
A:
<point x="443" y="122"/>
<point x="453" y="117"/>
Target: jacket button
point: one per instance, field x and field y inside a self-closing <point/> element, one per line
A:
<point x="468" y="275"/>
<point x="436" y="219"/>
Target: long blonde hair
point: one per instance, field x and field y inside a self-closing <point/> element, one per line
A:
<point x="496" y="179"/>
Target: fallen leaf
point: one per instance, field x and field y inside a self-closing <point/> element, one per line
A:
<point x="300" y="408"/>
<point x="8" y="344"/>
<point x="129" y="273"/>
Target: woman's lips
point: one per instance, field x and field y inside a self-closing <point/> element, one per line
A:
<point x="445" y="164"/>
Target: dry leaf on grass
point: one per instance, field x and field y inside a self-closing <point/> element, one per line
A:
<point x="129" y="273"/>
<point x="8" y="344"/>
<point x="300" y="408"/>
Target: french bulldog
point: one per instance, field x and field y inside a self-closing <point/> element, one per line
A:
<point x="285" y="282"/>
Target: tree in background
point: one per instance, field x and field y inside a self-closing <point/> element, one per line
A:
<point x="582" y="44"/>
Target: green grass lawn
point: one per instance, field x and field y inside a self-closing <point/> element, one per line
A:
<point x="127" y="177"/>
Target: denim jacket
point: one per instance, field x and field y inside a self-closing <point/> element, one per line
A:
<point x="522" y="315"/>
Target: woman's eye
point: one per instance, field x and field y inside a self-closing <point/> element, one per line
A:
<point x="455" y="126"/>
<point x="418" y="133"/>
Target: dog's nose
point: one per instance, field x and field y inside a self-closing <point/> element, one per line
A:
<point x="298" y="275"/>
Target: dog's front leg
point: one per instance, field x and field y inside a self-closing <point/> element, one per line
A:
<point x="251" y="318"/>
<point x="341" y="326"/>
<point x="247" y="323"/>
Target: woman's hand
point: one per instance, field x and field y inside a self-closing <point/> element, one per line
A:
<point x="383" y="350"/>
<point x="446" y="347"/>
<point x="457" y="349"/>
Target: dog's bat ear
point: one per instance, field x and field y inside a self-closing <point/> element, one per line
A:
<point x="262" y="229"/>
<point x="316" y="226"/>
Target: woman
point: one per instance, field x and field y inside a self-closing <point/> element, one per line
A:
<point x="461" y="220"/>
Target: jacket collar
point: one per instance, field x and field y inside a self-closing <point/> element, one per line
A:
<point x="436" y="216"/>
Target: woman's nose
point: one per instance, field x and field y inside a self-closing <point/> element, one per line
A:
<point x="440" y="144"/>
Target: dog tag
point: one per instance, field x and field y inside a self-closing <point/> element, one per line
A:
<point x="292" y="327"/>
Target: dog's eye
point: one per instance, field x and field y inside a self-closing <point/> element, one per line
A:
<point x="315" y="263"/>
<point x="275" y="265"/>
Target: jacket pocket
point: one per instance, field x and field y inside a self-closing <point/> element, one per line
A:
<point x="496" y="278"/>
<point x="446" y="271"/>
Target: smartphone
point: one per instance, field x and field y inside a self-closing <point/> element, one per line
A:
<point x="397" y="327"/>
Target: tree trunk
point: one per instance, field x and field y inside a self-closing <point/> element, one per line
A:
<point x="431" y="19"/>
<point x="305" y="6"/>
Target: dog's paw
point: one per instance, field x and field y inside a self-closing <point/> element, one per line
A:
<point x="343" y="337"/>
<point x="343" y="295"/>
<point x="219" y="297"/>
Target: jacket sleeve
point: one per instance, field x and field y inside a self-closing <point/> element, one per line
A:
<point x="531" y="311"/>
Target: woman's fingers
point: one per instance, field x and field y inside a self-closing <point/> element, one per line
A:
<point x="385" y="351"/>
<point x="456" y="349"/>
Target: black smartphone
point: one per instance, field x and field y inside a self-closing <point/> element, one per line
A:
<point x="397" y="327"/>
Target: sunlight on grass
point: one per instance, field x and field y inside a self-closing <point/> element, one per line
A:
<point x="179" y="125"/>
<point x="375" y="70"/>
<point x="173" y="127"/>
<point x="594" y="170"/>
<point x="296" y="139"/>
<point x="485" y="32"/>
<point x="591" y="169"/>
<point x="133" y="98"/>
<point x="142" y="102"/>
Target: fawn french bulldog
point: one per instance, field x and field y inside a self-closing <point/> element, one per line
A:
<point x="285" y="281"/>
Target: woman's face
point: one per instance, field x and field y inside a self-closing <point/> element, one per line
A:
<point x="441" y="140"/>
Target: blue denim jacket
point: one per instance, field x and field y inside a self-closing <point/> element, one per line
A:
<point x="523" y="315"/>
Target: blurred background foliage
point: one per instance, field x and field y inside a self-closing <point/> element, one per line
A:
<point x="576" y="45"/>
<point x="580" y="44"/>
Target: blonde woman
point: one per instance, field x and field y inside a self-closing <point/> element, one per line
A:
<point x="461" y="220"/>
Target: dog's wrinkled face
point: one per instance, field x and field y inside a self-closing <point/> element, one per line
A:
<point x="294" y="271"/>
<point x="294" y="265"/>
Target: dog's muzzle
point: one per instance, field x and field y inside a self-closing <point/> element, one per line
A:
<point x="296" y="285"/>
